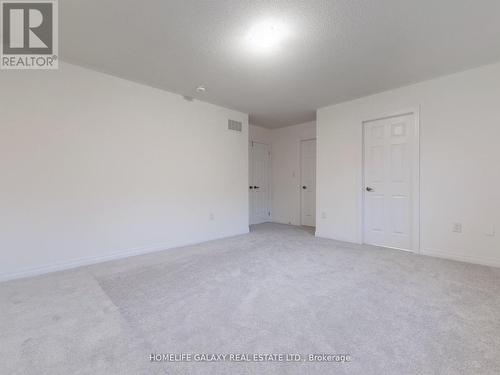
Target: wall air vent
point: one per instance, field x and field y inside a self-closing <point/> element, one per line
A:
<point x="234" y="125"/>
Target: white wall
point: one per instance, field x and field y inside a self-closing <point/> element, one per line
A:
<point x="285" y="167"/>
<point x="94" y="167"/>
<point x="460" y="156"/>
<point x="260" y="134"/>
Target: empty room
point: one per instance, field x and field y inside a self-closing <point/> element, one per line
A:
<point x="249" y="187"/>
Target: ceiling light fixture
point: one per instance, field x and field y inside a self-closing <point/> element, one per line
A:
<point x="266" y="36"/>
<point x="201" y="89"/>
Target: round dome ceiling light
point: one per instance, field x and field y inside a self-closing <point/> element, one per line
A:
<point x="267" y="35"/>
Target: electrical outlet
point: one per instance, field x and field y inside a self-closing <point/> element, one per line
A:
<point x="211" y="216"/>
<point x="457" y="227"/>
<point x="323" y="215"/>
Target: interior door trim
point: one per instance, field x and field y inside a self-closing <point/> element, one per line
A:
<point x="300" y="177"/>
<point x="416" y="234"/>
<point x="252" y="220"/>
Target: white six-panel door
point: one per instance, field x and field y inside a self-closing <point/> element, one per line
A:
<point x="308" y="182"/>
<point x="389" y="182"/>
<point x="259" y="183"/>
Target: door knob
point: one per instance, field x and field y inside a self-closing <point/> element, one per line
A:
<point x="256" y="187"/>
<point x="251" y="187"/>
<point x="369" y="189"/>
<point x="304" y="187"/>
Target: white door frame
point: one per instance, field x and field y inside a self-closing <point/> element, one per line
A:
<point x="300" y="173"/>
<point x="415" y="111"/>
<point x="269" y="192"/>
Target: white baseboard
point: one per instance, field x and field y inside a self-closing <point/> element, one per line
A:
<point x="75" y="263"/>
<point x="86" y="261"/>
<point x="284" y="222"/>
<point x="461" y="258"/>
<point x="319" y="234"/>
<point x="434" y="253"/>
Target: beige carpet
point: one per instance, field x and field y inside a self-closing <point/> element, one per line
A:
<point x="276" y="290"/>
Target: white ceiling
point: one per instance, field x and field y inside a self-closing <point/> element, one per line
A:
<point x="337" y="50"/>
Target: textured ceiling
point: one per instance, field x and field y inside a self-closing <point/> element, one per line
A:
<point x="337" y="50"/>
